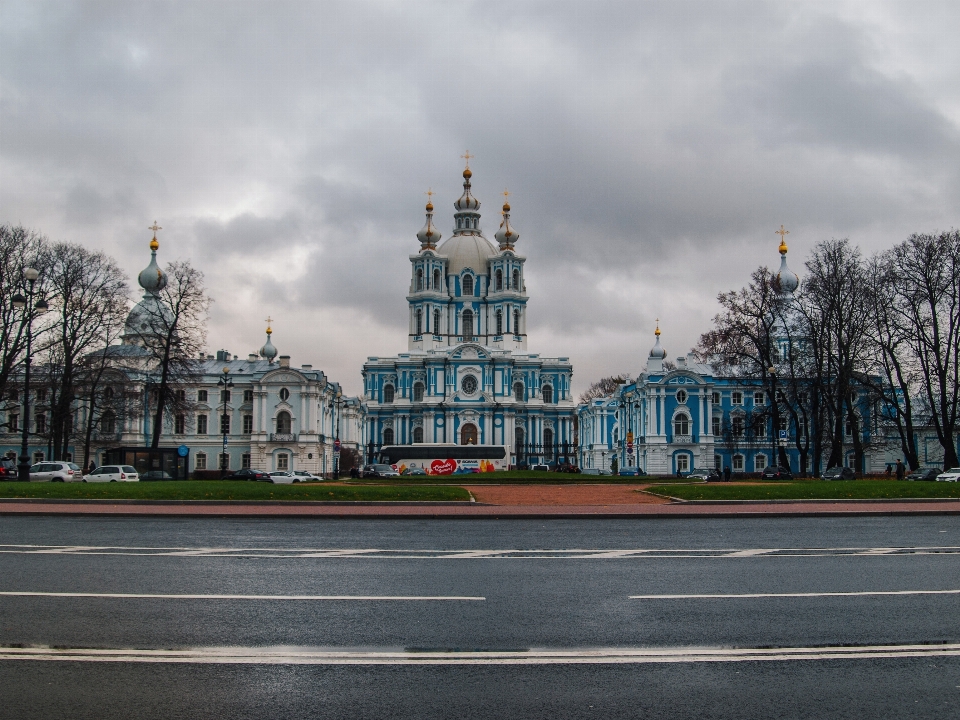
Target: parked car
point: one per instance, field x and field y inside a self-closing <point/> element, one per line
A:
<point x="249" y="474"/>
<point x="413" y="471"/>
<point x="951" y="475"/>
<point x="924" y="474"/>
<point x="113" y="473"/>
<point x="380" y="470"/>
<point x="839" y="473"/>
<point x="283" y="477"/>
<point x="775" y="472"/>
<point x="704" y="475"/>
<point x="56" y="472"/>
<point x="8" y="468"/>
<point x="629" y="472"/>
<point x="541" y="468"/>
<point x="156" y="475"/>
<point x="594" y="471"/>
<point x="569" y="468"/>
<point x="304" y="476"/>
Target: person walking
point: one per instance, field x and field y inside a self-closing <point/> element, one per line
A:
<point x="726" y="473"/>
<point x="901" y="470"/>
<point x="889" y="470"/>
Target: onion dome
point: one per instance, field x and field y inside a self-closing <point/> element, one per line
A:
<point x="657" y="350"/>
<point x="788" y="279"/>
<point x="506" y="235"/>
<point x="467" y="201"/>
<point x="151" y="278"/>
<point x="268" y="352"/>
<point x="428" y="236"/>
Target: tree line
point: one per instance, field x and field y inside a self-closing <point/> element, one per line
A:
<point x="881" y="332"/>
<point x="75" y="358"/>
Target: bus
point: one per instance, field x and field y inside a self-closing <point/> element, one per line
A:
<point x="445" y="459"/>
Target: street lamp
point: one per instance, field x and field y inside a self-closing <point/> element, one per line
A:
<point x="20" y="302"/>
<point x="225" y="383"/>
<point x="774" y="414"/>
<point x="338" y="401"/>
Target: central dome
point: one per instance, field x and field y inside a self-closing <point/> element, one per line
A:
<point x="467" y="251"/>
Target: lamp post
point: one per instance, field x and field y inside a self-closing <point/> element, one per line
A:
<point x="225" y="383"/>
<point x="20" y="302"/>
<point x="774" y="414"/>
<point x="338" y="401"/>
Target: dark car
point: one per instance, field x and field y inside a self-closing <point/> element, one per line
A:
<point x="704" y="475"/>
<point x="8" y="468"/>
<point x="156" y="475"/>
<point x="925" y="474"/>
<point x="777" y="473"/>
<point x="250" y="474"/>
<point x="380" y="470"/>
<point x="839" y="473"/>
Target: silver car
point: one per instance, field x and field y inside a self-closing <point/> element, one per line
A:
<point x="304" y="476"/>
<point x="113" y="473"/>
<point x="56" y="471"/>
<point x="951" y="475"/>
<point x="283" y="477"/>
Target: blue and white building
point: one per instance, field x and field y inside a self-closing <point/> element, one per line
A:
<point x="467" y="376"/>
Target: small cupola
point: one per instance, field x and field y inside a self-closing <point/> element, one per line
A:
<point x="429" y="236"/>
<point x="268" y="352"/>
<point x="506" y="236"/>
<point x="152" y="278"/>
<point x="787" y="278"/>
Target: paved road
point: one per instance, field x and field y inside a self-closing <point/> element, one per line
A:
<point x="779" y="617"/>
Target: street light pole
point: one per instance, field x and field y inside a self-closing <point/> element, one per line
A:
<point x="20" y="302"/>
<point x="774" y="415"/>
<point x="225" y="383"/>
<point x="338" y="401"/>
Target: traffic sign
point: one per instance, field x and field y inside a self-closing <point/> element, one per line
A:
<point x="630" y="437"/>
<point x="336" y="445"/>
<point x="783" y="434"/>
<point x="183" y="451"/>
<point x="630" y="448"/>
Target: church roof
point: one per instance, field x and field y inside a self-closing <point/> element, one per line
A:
<point x="467" y="251"/>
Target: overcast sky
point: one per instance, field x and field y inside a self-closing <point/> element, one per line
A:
<point x="651" y="150"/>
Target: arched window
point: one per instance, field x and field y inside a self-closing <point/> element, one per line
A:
<point x="516" y="322"/>
<point x="419" y="322"/>
<point x="418" y="392"/>
<point x="107" y="394"/>
<point x="388" y="393"/>
<point x="436" y="279"/>
<point x="548" y="443"/>
<point x="547" y="394"/>
<point x="418" y="434"/>
<point x="499" y="280"/>
<point x="468" y="434"/>
<point x="518" y="391"/>
<point x="516" y="279"/>
<point x="388" y="436"/>
<point x="419" y="278"/>
<point x="467" y="322"/>
<point x="681" y="424"/>
<point x="108" y="422"/>
<point x="468" y="284"/>
<point x="283" y="423"/>
<point x="499" y="321"/>
<point x="436" y="322"/>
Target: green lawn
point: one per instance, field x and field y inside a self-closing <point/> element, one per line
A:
<point x="514" y="477"/>
<point x="227" y="490"/>
<point x="812" y="490"/>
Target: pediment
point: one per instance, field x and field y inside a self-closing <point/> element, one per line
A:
<point x="285" y="375"/>
<point x="469" y="352"/>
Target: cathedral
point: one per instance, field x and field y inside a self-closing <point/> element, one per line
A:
<point x="467" y="376"/>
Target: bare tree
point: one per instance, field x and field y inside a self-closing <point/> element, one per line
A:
<point x="602" y="388"/>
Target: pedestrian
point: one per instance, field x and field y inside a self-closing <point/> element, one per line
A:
<point x="726" y="473"/>
<point x="93" y="466"/>
<point x="901" y="470"/>
<point x="889" y="469"/>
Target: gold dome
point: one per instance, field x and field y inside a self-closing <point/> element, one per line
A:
<point x="467" y="174"/>
<point x="154" y="245"/>
<point x="506" y="207"/>
<point x="783" y="247"/>
<point x="429" y="207"/>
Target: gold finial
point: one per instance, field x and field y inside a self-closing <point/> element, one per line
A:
<point x="153" y="243"/>
<point x="467" y="174"/>
<point x="657" y="331"/>
<point x="783" y="242"/>
<point x="429" y="193"/>
<point x="269" y="320"/>
<point x="466" y="156"/>
<point x="506" y="205"/>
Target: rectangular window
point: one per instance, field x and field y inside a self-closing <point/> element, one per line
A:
<point x="37" y="457"/>
<point x="248" y="396"/>
<point x="201" y="424"/>
<point x="245" y="461"/>
<point x="180" y="425"/>
<point x="201" y="395"/>
<point x="247" y="424"/>
<point x="41" y="395"/>
<point x="760" y="462"/>
<point x="737" y="427"/>
<point x="683" y="463"/>
<point x="225" y="424"/>
<point x="283" y="461"/>
<point x="759" y="398"/>
<point x="716" y="398"/>
<point x="717" y="462"/>
<point x="716" y="425"/>
<point x="201" y="461"/>
<point x="224" y="396"/>
<point x="13" y="423"/>
<point x="738" y="463"/>
<point x="737" y="397"/>
<point x="41" y="423"/>
<point x="760" y="430"/>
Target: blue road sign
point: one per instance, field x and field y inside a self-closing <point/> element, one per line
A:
<point x="183" y="451"/>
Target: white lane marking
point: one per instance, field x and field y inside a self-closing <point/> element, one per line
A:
<point x="461" y="554"/>
<point x="725" y="596"/>
<point x="292" y="656"/>
<point x="155" y="596"/>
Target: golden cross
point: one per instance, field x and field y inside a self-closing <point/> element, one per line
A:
<point x="466" y="156"/>
<point x="269" y="319"/>
<point x="429" y="193"/>
<point x="505" y="194"/>
<point x="154" y="227"/>
<point x="781" y="232"/>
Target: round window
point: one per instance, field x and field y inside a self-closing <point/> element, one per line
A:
<point x="681" y="396"/>
<point x="469" y="385"/>
<point x="284" y="394"/>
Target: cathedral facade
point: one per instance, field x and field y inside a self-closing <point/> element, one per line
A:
<point x="467" y="376"/>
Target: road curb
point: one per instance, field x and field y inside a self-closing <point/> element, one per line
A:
<point x="248" y="503"/>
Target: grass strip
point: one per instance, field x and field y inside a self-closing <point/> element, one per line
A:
<point x="813" y="490"/>
<point x="513" y="477"/>
<point x="228" y="490"/>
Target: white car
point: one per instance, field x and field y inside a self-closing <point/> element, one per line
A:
<point x="304" y="476"/>
<point x="113" y="473"/>
<point x="951" y="475"/>
<point x="283" y="477"/>
<point x="55" y="472"/>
